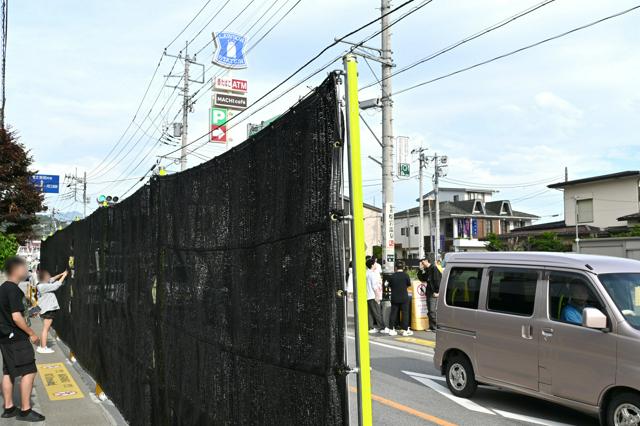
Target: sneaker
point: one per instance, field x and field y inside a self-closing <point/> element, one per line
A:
<point x="30" y="416"/>
<point x="385" y="331"/>
<point x="393" y="333"/>
<point x="407" y="332"/>
<point x="373" y="331"/>
<point x="42" y="350"/>
<point x="10" y="412"/>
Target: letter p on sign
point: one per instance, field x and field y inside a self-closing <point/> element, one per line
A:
<point x="218" y="116"/>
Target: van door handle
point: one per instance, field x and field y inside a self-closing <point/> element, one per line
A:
<point x="547" y="332"/>
<point x="527" y="332"/>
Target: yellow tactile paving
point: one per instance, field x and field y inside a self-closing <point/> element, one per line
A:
<point x="58" y="382"/>
<point x="417" y="341"/>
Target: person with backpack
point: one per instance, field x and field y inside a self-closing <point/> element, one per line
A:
<point x="16" y="339"/>
<point x="48" y="304"/>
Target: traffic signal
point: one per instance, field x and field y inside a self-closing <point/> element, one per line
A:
<point x="107" y="200"/>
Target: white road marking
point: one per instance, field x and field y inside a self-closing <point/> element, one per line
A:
<point x="428" y="380"/>
<point x="529" y="419"/>
<point x="466" y="403"/>
<point x="384" y="345"/>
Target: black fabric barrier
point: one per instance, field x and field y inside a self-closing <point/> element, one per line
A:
<point x="210" y="296"/>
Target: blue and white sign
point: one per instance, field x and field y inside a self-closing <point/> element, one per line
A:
<point x="229" y="50"/>
<point x="49" y="184"/>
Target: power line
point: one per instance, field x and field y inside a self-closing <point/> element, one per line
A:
<point x="513" y="52"/>
<point x="187" y="26"/>
<point x="310" y="61"/>
<point x="502" y="186"/>
<point x="465" y="40"/>
<point x="228" y="25"/>
<point x="215" y="15"/>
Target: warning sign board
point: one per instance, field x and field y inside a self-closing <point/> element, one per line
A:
<point x="58" y="382"/>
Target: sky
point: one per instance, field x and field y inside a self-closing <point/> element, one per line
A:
<point x="77" y="71"/>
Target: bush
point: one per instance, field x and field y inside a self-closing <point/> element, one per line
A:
<point x="547" y="241"/>
<point x="8" y="247"/>
<point x="494" y="243"/>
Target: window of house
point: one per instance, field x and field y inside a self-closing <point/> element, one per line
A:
<point x="456" y="198"/>
<point x="403" y="231"/>
<point x="463" y="287"/>
<point x="512" y="291"/>
<point x="416" y="230"/>
<point x="585" y="210"/>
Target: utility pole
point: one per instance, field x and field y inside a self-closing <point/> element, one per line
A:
<point x="388" y="249"/>
<point x="187" y="105"/>
<point x="84" y="195"/>
<point x="422" y="163"/>
<point x="577" y="217"/>
<point x="439" y="170"/>
<point x="75" y="181"/>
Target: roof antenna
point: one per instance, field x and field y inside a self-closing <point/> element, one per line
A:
<point x="566" y="174"/>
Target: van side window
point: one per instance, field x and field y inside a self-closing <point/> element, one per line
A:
<point x="569" y="294"/>
<point x="512" y="291"/>
<point x="463" y="287"/>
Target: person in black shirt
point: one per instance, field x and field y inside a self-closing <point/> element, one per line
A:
<point x="16" y="339"/>
<point x="399" y="282"/>
<point x="430" y="275"/>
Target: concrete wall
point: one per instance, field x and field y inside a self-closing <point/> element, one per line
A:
<point x="628" y="247"/>
<point x="611" y="199"/>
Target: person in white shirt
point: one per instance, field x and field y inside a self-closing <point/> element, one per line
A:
<point x="48" y="303"/>
<point x="375" y="314"/>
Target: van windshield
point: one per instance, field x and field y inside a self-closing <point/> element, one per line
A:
<point x="624" y="289"/>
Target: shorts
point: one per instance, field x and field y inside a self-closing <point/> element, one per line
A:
<point x="49" y="314"/>
<point x="18" y="358"/>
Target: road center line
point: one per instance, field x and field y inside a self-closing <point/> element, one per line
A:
<point x="408" y="410"/>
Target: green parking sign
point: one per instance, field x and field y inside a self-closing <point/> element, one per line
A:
<point x="404" y="170"/>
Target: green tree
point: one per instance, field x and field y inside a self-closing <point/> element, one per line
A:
<point x="547" y="241"/>
<point x="8" y="247"/>
<point x="494" y="243"/>
<point x="20" y="200"/>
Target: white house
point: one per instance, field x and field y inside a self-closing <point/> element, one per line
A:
<point x="599" y="201"/>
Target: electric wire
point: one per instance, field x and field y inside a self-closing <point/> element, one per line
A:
<point x="513" y="52"/>
<point x="463" y="41"/>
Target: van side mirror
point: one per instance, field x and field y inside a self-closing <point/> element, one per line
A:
<point x="593" y="318"/>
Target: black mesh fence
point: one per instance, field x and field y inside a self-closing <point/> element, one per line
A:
<point x="209" y="297"/>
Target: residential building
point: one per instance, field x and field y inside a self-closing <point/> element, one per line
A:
<point x="466" y="217"/>
<point x="599" y="201"/>
<point x="372" y="227"/>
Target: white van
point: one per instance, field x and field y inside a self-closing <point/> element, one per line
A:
<point x="557" y="326"/>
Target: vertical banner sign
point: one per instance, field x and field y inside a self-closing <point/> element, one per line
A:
<point x="388" y="223"/>
<point x="474" y="228"/>
<point x="218" y="120"/>
<point x="402" y="154"/>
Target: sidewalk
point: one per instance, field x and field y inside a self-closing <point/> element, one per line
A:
<point x="423" y="338"/>
<point x="68" y="398"/>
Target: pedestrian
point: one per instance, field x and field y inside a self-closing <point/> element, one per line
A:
<point x="373" y="306"/>
<point x="377" y="271"/>
<point x="349" y="282"/>
<point x="48" y="304"/>
<point x="399" y="282"/>
<point x="431" y="275"/>
<point x="16" y="339"/>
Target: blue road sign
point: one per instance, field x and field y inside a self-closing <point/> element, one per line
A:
<point x="49" y="184"/>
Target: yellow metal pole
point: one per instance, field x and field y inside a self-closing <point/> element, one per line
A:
<point x="357" y="242"/>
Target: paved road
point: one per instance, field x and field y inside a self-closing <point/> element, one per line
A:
<point x="408" y="390"/>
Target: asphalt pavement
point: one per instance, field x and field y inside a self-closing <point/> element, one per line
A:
<point x="408" y="390"/>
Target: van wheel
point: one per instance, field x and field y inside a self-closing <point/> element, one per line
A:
<point x="461" y="379"/>
<point x="624" y="409"/>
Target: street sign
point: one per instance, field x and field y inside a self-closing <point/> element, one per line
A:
<point x="229" y="50"/>
<point x="218" y="121"/>
<point x="229" y="101"/>
<point x="404" y="169"/>
<point x="230" y="84"/>
<point x="218" y="134"/>
<point x="49" y="184"/>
